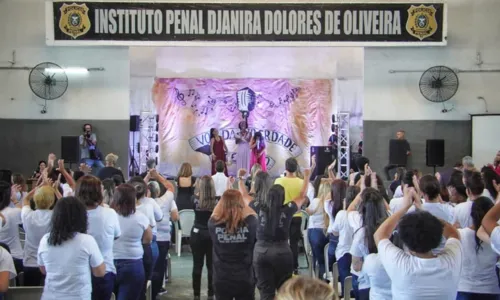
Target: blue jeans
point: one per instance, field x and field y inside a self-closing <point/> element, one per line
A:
<point x="129" y="278"/>
<point x="332" y="246"/>
<point x="95" y="164"/>
<point x="473" y="296"/>
<point x="160" y="267"/>
<point x="102" y="287"/>
<point x="318" y="241"/>
<point x="344" y="265"/>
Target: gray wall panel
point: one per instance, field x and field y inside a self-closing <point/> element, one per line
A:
<point x="24" y="142"/>
<point x="378" y="133"/>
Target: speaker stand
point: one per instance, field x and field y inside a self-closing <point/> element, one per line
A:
<point x="133" y="167"/>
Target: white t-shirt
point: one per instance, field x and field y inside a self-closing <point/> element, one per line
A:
<point x="104" y="227"/>
<point x="360" y="249"/>
<point x="380" y="283"/>
<point x="328" y="208"/>
<point x="129" y="244"/>
<point x="462" y="214"/>
<point x="479" y="269"/>
<point x="354" y="220"/>
<point x="441" y="211"/>
<point x="68" y="267"/>
<point x="397" y="204"/>
<point x="341" y="225"/>
<point x="220" y="183"/>
<point x="418" y="278"/>
<point x="310" y="191"/>
<point x="167" y="204"/>
<point x="36" y="224"/>
<point x="152" y="210"/>
<point x="7" y="264"/>
<point x="495" y="240"/>
<point x="67" y="190"/>
<point x="9" y="234"/>
<point x="316" y="219"/>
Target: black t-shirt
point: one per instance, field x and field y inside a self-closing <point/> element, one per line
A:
<point x="201" y="216"/>
<point x="282" y="232"/>
<point x="109" y="172"/>
<point x="233" y="253"/>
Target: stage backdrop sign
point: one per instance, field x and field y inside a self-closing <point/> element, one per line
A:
<point x="291" y="114"/>
<point x="364" y="24"/>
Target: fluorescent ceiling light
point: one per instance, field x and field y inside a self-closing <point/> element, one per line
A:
<point x="68" y="70"/>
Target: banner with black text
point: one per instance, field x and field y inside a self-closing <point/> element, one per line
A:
<point x="116" y="23"/>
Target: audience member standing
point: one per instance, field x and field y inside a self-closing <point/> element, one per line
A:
<point x="170" y="213"/>
<point x="67" y="255"/>
<point x="418" y="273"/>
<point x="292" y="186"/>
<point x="305" y="288"/>
<point x="474" y="187"/>
<point x="232" y="228"/>
<point x="110" y="169"/>
<point x="128" y="248"/>
<point x="36" y="224"/>
<point x="456" y="188"/>
<point x="220" y="179"/>
<point x="478" y="279"/>
<point x="150" y="209"/>
<point x="9" y="234"/>
<point x="185" y="187"/>
<point x="103" y="225"/>
<point x="201" y="244"/>
<point x="273" y="259"/>
<point x="490" y="178"/>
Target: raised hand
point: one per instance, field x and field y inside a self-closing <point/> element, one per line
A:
<point x="307" y="173"/>
<point x="242" y="172"/>
<point x="373" y="180"/>
<point x="60" y="165"/>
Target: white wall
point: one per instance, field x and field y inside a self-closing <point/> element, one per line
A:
<point x="472" y="26"/>
<point x="98" y="95"/>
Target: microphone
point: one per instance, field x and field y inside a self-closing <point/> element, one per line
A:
<point x="246" y="101"/>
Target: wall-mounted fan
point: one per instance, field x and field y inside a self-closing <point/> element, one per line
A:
<point x="438" y="84"/>
<point x="48" y="81"/>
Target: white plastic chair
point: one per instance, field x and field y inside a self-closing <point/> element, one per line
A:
<point x="328" y="274"/>
<point x="24" y="293"/>
<point x="347" y="288"/>
<point x="149" y="291"/>
<point x="335" y="278"/>
<point x="183" y="227"/>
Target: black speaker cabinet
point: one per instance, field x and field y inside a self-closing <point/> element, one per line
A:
<point x="434" y="153"/>
<point x="324" y="157"/>
<point x="70" y="148"/>
<point x="135" y="123"/>
<point x="397" y="152"/>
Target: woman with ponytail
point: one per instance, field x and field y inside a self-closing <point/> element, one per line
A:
<point x="478" y="279"/>
<point x="318" y="223"/>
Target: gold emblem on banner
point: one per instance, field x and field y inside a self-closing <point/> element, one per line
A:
<point x="421" y="21"/>
<point x="74" y="20"/>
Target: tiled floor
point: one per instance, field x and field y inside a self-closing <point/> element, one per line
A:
<point x="180" y="286"/>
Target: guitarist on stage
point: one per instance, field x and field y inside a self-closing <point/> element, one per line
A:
<point x="89" y="154"/>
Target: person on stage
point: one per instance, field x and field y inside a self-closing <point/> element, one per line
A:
<point x="400" y="135"/>
<point x="89" y="154"/>
<point x="258" y="155"/>
<point x="242" y="140"/>
<point x="218" y="149"/>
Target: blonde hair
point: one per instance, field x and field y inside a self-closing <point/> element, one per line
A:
<point x="111" y="158"/>
<point x="44" y="197"/>
<point x="305" y="288"/>
<point x="324" y="193"/>
<point x="185" y="171"/>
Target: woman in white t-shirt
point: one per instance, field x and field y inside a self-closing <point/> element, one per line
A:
<point x="152" y="210"/>
<point x="317" y="225"/>
<point x="128" y="248"/>
<point x="67" y="255"/>
<point x="170" y="213"/>
<point x="9" y="233"/>
<point x="104" y="227"/>
<point x="36" y="224"/>
<point x="478" y="279"/>
<point x="340" y="227"/>
<point x="418" y="273"/>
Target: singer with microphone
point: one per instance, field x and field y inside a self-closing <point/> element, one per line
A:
<point x="258" y="154"/>
<point x="89" y="154"/>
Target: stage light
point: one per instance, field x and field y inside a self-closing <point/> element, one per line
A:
<point x="68" y="70"/>
<point x="333" y="119"/>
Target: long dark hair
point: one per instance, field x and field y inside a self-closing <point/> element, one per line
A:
<point x="480" y="207"/>
<point x="262" y="185"/>
<point x="339" y="189"/>
<point x="258" y="137"/>
<point x="4" y="194"/>
<point x="212" y="133"/>
<point x="69" y="217"/>
<point x="271" y="208"/>
<point x="488" y="176"/>
<point x="380" y="186"/>
<point x="373" y="213"/>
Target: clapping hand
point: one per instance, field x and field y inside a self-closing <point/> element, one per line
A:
<point x="242" y="172"/>
<point x="85" y="168"/>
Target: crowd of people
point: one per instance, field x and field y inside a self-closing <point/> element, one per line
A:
<point x="86" y="237"/>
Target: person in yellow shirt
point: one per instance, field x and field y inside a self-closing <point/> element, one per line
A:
<point x="293" y="185"/>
